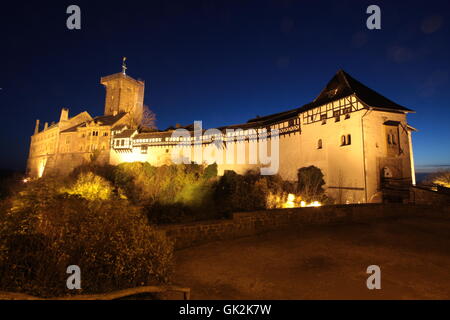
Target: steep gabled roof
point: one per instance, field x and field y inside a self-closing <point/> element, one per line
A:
<point x="110" y="120"/>
<point x="340" y="86"/>
<point x="103" y="120"/>
<point x="343" y="85"/>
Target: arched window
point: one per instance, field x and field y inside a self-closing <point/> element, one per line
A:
<point x="349" y="139"/>
<point x="319" y="144"/>
<point x="343" y="141"/>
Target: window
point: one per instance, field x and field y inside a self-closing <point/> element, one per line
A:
<point x="144" y="149"/>
<point x="95" y="133"/>
<point x="117" y="143"/>
<point x="346" y="140"/>
<point x="323" y="117"/>
<point x="391" y="138"/>
<point x="105" y="134"/>
<point x="122" y="142"/>
<point x="319" y="144"/>
<point x="336" y="115"/>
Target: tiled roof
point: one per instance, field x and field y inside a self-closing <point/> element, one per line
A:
<point x="102" y="120"/>
<point x="109" y="120"/>
<point x="340" y="86"/>
<point x="125" y="133"/>
<point x="343" y="85"/>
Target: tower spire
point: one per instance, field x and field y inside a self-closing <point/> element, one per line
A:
<point x="124" y="66"/>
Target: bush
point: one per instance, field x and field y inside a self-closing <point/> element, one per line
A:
<point x="170" y="193"/>
<point x="45" y="231"/>
<point x="310" y="183"/>
<point x="439" y="179"/>
<point x="247" y="192"/>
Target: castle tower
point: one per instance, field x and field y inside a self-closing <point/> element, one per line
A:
<point x="123" y="94"/>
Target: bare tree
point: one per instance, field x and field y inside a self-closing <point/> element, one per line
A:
<point x="148" y="118"/>
<point x="310" y="182"/>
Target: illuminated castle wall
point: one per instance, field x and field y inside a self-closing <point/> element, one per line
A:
<point x="357" y="137"/>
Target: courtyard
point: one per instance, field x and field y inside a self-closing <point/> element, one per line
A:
<point x="324" y="262"/>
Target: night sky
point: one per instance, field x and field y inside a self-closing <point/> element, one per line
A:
<point x="222" y="62"/>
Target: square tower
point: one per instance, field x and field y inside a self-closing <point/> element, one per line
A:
<point x="123" y="94"/>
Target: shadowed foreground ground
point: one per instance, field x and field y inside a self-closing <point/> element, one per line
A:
<point x="324" y="262"/>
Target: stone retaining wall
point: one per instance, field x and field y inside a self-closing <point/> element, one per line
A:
<point x="250" y="223"/>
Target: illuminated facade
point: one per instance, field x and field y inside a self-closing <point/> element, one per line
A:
<point x="359" y="139"/>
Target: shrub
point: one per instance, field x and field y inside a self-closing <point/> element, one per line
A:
<point x="170" y="193"/>
<point x="90" y="186"/>
<point x="110" y="240"/>
<point x="247" y="192"/>
<point x="310" y="183"/>
<point x="105" y="171"/>
<point x="440" y="179"/>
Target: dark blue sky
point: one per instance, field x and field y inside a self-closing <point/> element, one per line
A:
<point x="222" y="62"/>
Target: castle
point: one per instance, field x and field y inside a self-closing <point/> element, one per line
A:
<point x="358" y="138"/>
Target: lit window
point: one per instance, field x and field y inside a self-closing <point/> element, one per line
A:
<point x="343" y="141"/>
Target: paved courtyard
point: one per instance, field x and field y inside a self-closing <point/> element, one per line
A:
<point x="324" y="262"/>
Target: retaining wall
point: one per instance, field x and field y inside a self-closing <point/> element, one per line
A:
<point x="250" y="223"/>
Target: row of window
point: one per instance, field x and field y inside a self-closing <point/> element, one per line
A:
<point x="346" y="140"/>
<point x="120" y="142"/>
<point x="94" y="134"/>
<point x="336" y="114"/>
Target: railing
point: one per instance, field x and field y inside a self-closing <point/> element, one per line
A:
<point x="105" y="296"/>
